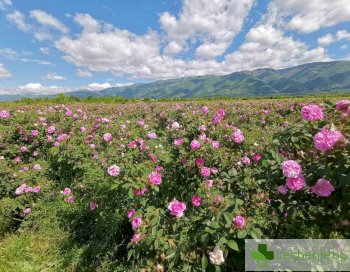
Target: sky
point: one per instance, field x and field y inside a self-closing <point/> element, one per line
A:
<point x="55" y="46"/>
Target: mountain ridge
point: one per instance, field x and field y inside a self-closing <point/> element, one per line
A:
<point x="304" y="79"/>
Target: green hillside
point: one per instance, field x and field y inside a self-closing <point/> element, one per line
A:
<point x="321" y="77"/>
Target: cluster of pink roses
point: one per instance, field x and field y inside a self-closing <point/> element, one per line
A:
<point x="296" y="181"/>
<point x="24" y="188"/>
<point x="292" y="171"/>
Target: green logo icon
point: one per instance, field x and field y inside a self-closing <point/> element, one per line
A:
<point x="262" y="255"/>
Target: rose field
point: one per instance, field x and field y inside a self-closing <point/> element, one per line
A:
<point x="168" y="186"/>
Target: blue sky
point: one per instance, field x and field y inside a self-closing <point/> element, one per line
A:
<point x="60" y="45"/>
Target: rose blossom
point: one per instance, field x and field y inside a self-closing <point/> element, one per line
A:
<point x="135" y="238"/>
<point x="177" y="208"/>
<point x="216" y="257"/>
<point x="238" y="136"/>
<point x="312" y="113"/>
<point x="175" y="125"/>
<point x="257" y="157"/>
<point x="209" y="183"/>
<point x="4" y="114"/>
<point x="282" y="189"/>
<point x="239" y="221"/>
<point x="154" y="178"/>
<point x="205" y="172"/>
<point x="67" y="191"/>
<point x="245" y="160"/>
<point x="200" y="162"/>
<point x="113" y="170"/>
<point x="297" y="183"/>
<point x="195" y="144"/>
<point x="27" y="211"/>
<point x="291" y="169"/>
<point x="151" y="135"/>
<point x="107" y="137"/>
<point x="37" y="167"/>
<point x="196" y="200"/>
<point x="131" y="213"/>
<point x="136" y="222"/>
<point x="178" y="141"/>
<point x="205" y="110"/>
<point x="93" y="205"/>
<point x="326" y="139"/>
<point x="322" y="188"/>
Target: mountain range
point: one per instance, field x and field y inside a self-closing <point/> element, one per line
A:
<point x="305" y="79"/>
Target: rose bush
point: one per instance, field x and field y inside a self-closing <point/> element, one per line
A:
<point x="175" y="186"/>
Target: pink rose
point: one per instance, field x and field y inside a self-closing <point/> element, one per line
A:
<point x="239" y="221"/>
<point x="197" y="200"/>
<point x="322" y="188"/>
<point x="154" y="178"/>
<point x="113" y="170"/>
<point x="177" y="208"/>
<point x="195" y="145"/>
<point x="291" y="169"/>
<point x="297" y="183"/>
<point x="136" y="222"/>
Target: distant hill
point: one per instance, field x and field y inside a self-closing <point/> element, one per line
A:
<point x="310" y="78"/>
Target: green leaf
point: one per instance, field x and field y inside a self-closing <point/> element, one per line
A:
<point x="130" y="253"/>
<point x="228" y="217"/>
<point x="241" y="234"/>
<point x="233" y="245"/>
<point x="204" y="262"/>
<point x="256" y="233"/>
<point x="232" y="172"/>
<point x="239" y="201"/>
<point x="214" y="225"/>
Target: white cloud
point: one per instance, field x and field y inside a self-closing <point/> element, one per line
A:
<point x="13" y="55"/>
<point x="101" y="86"/>
<point x="213" y="23"/>
<point x="83" y="73"/>
<point x="18" y="19"/>
<point x="55" y="77"/>
<point x="311" y="15"/>
<point x="48" y="20"/>
<point x="3" y="72"/>
<point x="37" y="88"/>
<point x="344" y="47"/>
<point x="267" y="46"/>
<point x="45" y="50"/>
<point x="329" y="38"/>
<point x="5" y="4"/>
